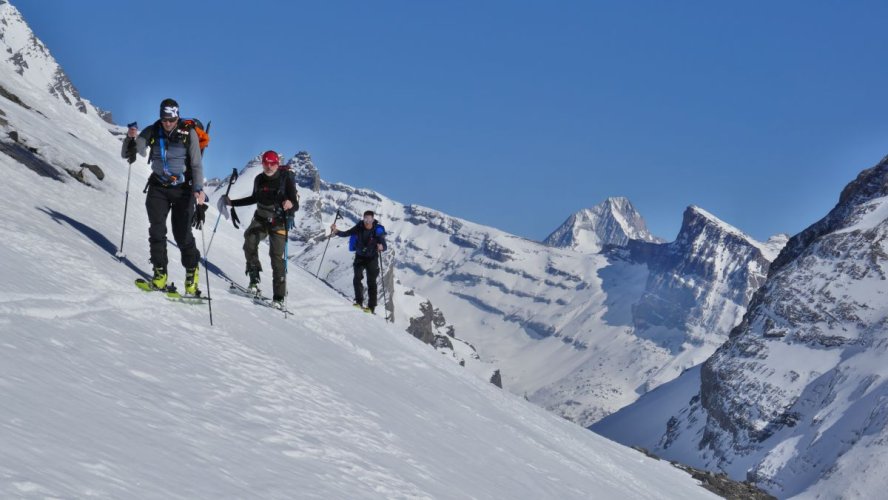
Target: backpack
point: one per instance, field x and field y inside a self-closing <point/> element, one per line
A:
<point x="353" y="239"/>
<point x="203" y="134"/>
<point x="184" y="128"/>
<point x="286" y="177"/>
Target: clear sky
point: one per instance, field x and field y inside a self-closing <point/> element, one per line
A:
<point x="513" y="113"/>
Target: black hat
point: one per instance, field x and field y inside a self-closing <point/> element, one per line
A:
<point x="369" y="212"/>
<point x="169" y="108"/>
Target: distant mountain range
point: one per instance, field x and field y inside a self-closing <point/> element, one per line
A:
<point x="581" y="324"/>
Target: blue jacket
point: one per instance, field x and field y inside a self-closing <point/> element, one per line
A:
<point x="363" y="241"/>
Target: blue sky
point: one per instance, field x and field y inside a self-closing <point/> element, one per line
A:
<point x="512" y="113"/>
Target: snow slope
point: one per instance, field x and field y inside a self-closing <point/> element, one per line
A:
<point x="109" y="392"/>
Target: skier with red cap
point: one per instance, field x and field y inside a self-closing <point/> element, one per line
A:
<point x="274" y="194"/>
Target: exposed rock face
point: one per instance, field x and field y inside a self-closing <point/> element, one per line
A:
<point x="424" y="327"/>
<point x="612" y="222"/>
<point x="824" y="302"/>
<point x="105" y="115"/>
<point x="819" y="301"/>
<point x="307" y="175"/>
<point x="699" y="285"/>
<point x="61" y="87"/>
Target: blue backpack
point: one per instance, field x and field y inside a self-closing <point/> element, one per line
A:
<point x="353" y="239"/>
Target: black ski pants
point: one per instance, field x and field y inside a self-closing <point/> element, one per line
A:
<point x="277" y="239"/>
<point x="177" y="203"/>
<point x="372" y="267"/>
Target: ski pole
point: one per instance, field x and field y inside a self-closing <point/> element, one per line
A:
<point x="231" y="180"/>
<point x="326" y="246"/>
<point x="131" y="153"/>
<point x="286" y="267"/>
<point x="207" y="273"/>
<point x="203" y="244"/>
<point x="382" y="275"/>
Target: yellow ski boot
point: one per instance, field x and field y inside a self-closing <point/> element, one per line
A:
<point x="191" y="279"/>
<point x="160" y="278"/>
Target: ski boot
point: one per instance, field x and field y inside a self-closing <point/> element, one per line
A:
<point x="278" y="303"/>
<point x="159" y="280"/>
<point x="254" y="281"/>
<point x="191" y="279"/>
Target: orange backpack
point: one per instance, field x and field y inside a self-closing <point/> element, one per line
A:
<point x="202" y="134"/>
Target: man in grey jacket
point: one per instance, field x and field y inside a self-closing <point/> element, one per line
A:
<point x="175" y="186"/>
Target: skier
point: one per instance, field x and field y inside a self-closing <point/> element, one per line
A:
<point x="276" y="199"/>
<point x="175" y="186"/>
<point x="367" y="240"/>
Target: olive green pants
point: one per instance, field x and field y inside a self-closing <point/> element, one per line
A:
<point x="277" y="236"/>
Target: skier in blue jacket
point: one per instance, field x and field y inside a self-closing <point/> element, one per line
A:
<point x="368" y="238"/>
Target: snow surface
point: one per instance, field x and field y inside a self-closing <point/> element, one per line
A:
<point x="110" y="392"/>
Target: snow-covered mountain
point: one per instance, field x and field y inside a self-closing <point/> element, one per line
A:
<point x="582" y="334"/>
<point x="29" y="57"/>
<point x="110" y="392"/>
<point x="698" y="287"/>
<point x="612" y="222"/>
<point x="796" y="399"/>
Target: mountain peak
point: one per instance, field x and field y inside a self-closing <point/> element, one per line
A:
<point x="612" y="222"/>
<point x="870" y="184"/>
<point x="30" y="58"/>
<point x="695" y="219"/>
<point x="307" y="175"/>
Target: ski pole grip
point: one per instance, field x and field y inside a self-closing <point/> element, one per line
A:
<point x="231" y="180"/>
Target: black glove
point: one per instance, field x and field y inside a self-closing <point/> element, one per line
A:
<point x="131" y="150"/>
<point x="200" y="216"/>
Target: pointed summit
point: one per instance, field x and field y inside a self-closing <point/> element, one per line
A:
<point x="307" y="175"/>
<point x="699" y="227"/>
<point x="612" y="222"/>
<point x="29" y="57"/>
<point x="696" y="220"/>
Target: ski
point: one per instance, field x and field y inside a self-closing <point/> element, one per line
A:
<point x="266" y="302"/>
<point x="170" y="292"/>
<point x="365" y="309"/>
<point x="257" y="296"/>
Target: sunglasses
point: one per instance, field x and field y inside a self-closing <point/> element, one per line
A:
<point x="169" y="120"/>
